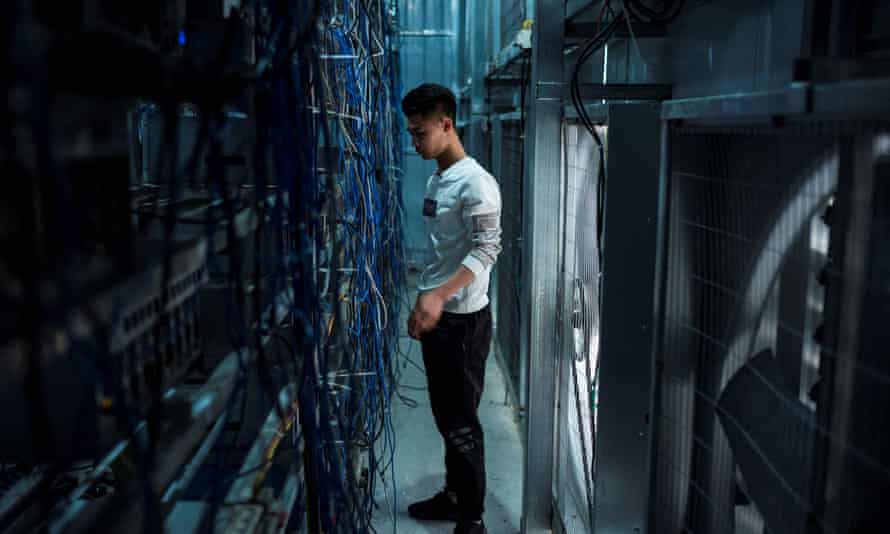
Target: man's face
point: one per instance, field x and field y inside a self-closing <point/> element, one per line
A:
<point x="429" y="134"/>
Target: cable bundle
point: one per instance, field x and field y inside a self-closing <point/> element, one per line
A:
<point x="355" y="101"/>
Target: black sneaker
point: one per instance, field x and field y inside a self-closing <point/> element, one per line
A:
<point x="470" y="527"/>
<point x="440" y="507"/>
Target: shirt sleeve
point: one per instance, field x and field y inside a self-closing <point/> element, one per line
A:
<point x="481" y="215"/>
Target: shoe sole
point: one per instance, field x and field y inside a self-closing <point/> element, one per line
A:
<point x="422" y="517"/>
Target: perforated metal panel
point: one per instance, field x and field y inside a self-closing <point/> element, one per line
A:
<point x="509" y="265"/>
<point x="768" y="261"/>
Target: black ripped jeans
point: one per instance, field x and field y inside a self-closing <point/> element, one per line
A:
<point x="454" y="354"/>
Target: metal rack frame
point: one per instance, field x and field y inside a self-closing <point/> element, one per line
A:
<point x="542" y="196"/>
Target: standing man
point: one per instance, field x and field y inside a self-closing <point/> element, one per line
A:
<point x="452" y="318"/>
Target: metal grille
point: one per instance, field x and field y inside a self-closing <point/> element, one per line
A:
<point x="580" y="347"/>
<point x="763" y="254"/>
<point x="509" y="265"/>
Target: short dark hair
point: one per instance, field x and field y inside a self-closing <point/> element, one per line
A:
<point x="428" y="98"/>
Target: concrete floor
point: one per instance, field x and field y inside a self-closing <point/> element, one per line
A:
<point x="419" y="464"/>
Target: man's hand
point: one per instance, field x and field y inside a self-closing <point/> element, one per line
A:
<point x="426" y="314"/>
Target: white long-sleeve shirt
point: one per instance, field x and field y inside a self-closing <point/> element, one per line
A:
<point x="462" y="209"/>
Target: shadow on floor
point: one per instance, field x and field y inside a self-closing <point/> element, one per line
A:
<point x="498" y="518"/>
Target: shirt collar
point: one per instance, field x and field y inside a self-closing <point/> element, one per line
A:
<point x="453" y="166"/>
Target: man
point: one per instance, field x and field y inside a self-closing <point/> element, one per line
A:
<point x="451" y="317"/>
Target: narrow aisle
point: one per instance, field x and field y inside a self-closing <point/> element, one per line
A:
<point x="419" y="462"/>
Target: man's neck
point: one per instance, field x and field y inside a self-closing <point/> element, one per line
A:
<point x="450" y="156"/>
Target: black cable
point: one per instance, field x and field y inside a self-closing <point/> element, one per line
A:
<point x="169" y="107"/>
<point x="170" y="219"/>
<point x="644" y="13"/>
<point x="210" y="105"/>
<point x="668" y="13"/>
<point x="594" y="44"/>
<point x="587" y="51"/>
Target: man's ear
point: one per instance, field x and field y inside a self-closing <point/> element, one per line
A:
<point x="447" y="123"/>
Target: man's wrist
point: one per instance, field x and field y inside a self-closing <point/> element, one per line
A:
<point x="438" y="292"/>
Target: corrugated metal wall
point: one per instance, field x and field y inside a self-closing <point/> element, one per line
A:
<point x="429" y="51"/>
<point x="513" y="12"/>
